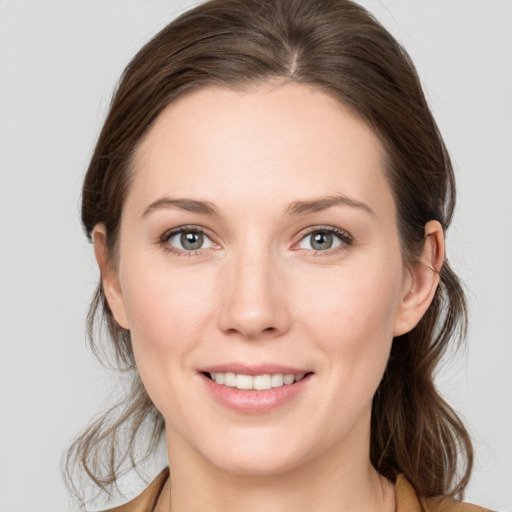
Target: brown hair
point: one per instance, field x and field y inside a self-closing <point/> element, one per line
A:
<point x="339" y="47"/>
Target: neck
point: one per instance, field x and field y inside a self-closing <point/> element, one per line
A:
<point x="331" y="482"/>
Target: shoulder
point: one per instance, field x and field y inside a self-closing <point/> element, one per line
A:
<point x="408" y="501"/>
<point x="146" y="501"/>
<point x="451" y="505"/>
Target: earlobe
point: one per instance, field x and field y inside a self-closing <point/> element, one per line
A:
<point x="422" y="281"/>
<point x="109" y="276"/>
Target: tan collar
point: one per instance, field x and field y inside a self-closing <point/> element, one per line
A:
<point x="406" y="499"/>
<point x="146" y="501"/>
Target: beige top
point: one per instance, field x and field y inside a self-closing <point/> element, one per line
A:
<point x="406" y="499"/>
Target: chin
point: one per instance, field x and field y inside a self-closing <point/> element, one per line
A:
<point x="257" y="453"/>
<point x="261" y="464"/>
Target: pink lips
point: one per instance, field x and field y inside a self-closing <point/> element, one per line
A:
<point x="254" y="401"/>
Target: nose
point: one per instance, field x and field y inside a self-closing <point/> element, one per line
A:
<point x="254" y="297"/>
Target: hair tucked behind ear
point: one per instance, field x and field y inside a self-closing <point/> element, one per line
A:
<point x="337" y="46"/>
<point x="414" y="431"/>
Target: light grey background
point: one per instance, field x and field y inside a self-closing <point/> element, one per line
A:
<point x="59" y="61"/>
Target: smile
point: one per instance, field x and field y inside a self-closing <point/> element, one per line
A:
<point x="255" y="382"/>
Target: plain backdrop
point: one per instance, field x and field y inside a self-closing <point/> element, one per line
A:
<point x="59" y="62"/>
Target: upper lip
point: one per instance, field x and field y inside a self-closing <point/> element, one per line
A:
<point x="258" y="369"/>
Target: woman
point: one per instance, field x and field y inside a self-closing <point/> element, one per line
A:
<point x="267" y="201"/>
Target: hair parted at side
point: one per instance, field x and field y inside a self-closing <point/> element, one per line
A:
<point x="337" y="46"/>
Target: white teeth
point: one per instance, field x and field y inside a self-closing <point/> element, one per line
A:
<point x="257" y="382"/>
<point x="230" y="380"/>
<point x="277" y="380"/>
<point x="262" y="382"/>
<point x="243" y="381"/>
<point x="289" y="378"/>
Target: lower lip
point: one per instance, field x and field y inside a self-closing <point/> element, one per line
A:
<point x="254" y="401"/>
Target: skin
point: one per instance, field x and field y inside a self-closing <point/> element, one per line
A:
<point x="259" y="292"/>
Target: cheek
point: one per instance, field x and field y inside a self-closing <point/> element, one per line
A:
<point x="353" y="300"/>
<point x="167" y="310"/>
<point x="168" y="313"/>
<point x="350" y="315"/>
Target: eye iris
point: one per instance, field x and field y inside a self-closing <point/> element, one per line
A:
<point x="321" y="241"/>
<point x="191" y="240"/>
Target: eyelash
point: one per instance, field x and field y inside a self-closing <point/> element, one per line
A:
<point x="346" y="240"/>
<point x="164" y="240"/>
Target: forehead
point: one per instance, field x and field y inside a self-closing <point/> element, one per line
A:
<point x="283" y="140"/>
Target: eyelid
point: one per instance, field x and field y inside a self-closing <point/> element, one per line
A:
<point x="166" y="235"/>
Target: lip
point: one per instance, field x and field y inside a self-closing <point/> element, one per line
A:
<point x="254" y="401"/>
<point x="259" y="369"/>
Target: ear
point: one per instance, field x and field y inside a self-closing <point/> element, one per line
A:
<point x="422" y="280"/>
<point x="109" y="276"/>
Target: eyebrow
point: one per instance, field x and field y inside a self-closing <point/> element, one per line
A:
<point x="190" y="205"/>
<point x="322" y="203"/>
<point x="295" y="208"/>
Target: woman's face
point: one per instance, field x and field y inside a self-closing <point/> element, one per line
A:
<point x="258" y="241"/>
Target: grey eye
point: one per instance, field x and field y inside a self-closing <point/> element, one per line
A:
<point x="190" y="240"/>
<point x="320" y="240"/>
